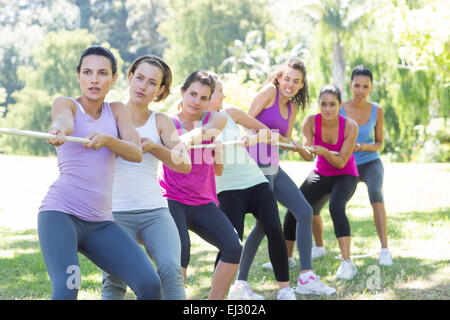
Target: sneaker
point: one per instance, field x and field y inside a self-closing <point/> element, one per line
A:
<point x="347" y="270"/>
<point x="309" y="283"/>
<point x="241" y="290"/>
<point x="318" y="252"/>
<point x="385" y="257"/>
<point x="286" y="294"/>
<point x="291" y="261"/>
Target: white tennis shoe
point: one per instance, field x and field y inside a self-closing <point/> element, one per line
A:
<point x="241" y="290"/>
<point x="310" y="283"/>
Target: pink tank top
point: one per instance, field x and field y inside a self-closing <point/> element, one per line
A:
<point x="323" y="167"/>
<point x="197" y="187"/>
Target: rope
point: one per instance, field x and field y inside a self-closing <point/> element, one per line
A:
<point x="39" y="135"/>
<point x="281" y="144"/>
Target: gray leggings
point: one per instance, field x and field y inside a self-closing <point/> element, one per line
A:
<point x="372" y="173"/>
<point x="287" y="194"/>
<point x="62" y="235"/>
<point x="156" y="230"/>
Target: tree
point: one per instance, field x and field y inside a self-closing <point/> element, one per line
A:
<point x="257" y="56"/>
<point x="339" y="18"/>
<point x="128" y="25"/>
<point x="53" y="68"/>
<point x="31" y="112"/>
<point x="199" y="32"/>
<point x="144" y="20"/>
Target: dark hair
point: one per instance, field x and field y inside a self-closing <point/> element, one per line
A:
<point x="331" y="88"/>
<point x="157" y="62"/>
<point x="302" y="96"/>
<point x="361" y="70"/>
<point x="215" y="76"/>
<point x="98" y="51"/>
<point x="202" y="76"/>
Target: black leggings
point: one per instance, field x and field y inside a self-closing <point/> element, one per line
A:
<point x="211" y="224"/>
<point x="316" y="189"/>
<point x="260" y="201"/>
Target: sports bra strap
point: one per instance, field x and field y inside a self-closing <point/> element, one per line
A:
<point x="206" y="118"/>
<point x="176" y="121"/>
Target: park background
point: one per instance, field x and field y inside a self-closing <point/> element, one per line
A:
<point x="404" y="42"/>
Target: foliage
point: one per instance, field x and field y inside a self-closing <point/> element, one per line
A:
<point x="238" y="92"/>
<point x="199" y="32"/>
<point x="31" y="112"/>
<point x="433" y="143"/>
<point x="52" y="73"/>
<point x="257" y="56"/>
<point x="53" y="68"/>
<point x="404" y="42"/>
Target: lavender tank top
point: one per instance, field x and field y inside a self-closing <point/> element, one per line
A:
<point x="84" y="186"/>
<point x="322" y="166"/>
<point x="272" y="118"/>
<point x="197" y="187"/>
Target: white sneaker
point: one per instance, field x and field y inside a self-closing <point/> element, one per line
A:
<point x="385" y="257"/>
<point x="318" y="252"/>
<point x="241" y="290"/>
<point x="286" y="294"/>
<point x="309" y="283"/>
<point x="291" y="262"/>
<point x="347" y="270"/>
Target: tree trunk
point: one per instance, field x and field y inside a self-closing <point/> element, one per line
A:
<point x="338" y="70"/>
<point x="85" y="13"/>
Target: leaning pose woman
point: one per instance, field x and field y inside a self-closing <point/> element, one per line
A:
<point x="276" y="105"/>
<point x="242" y="188"/>
<point x="75" y="215"/>
<point x="369" y="116"/>
<point x="192" y="197"/>
<point x="138" y="206"/>
<point x="334" y="175"/>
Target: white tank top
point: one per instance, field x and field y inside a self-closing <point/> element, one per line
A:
<point x="136" y="186"/>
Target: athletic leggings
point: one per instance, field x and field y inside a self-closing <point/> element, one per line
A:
<point x="286" y="193"/>
<point x="316" y="188"/>
<point x="62" y="236"/>
<point x="371" y="173"/>
<point x="211" y="224"/>
<point x="260" y="201"/>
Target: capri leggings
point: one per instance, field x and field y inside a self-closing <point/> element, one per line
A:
<point x="62" y="235"/>
<point x="260" y="201"/>
<point x="316" y="188"/>
<point x="211" y="224"/>
<point x="372" y="173"/>
<point x="287" y="193"/>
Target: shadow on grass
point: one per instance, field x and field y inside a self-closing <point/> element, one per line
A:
<point x="22" y="269"/>
<point x="23" y="274"/>
<point x="372" y="282"/>
<point x="200" y="272"/>
<point x="365" y="240"/>
<point x="365" y="227"/>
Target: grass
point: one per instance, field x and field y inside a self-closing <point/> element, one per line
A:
<point x="417" y="202"/>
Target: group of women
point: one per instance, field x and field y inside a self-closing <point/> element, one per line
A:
<point x="109" y="198"/>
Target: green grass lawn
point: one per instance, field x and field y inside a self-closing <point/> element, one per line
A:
<point x="417" y="202"/>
